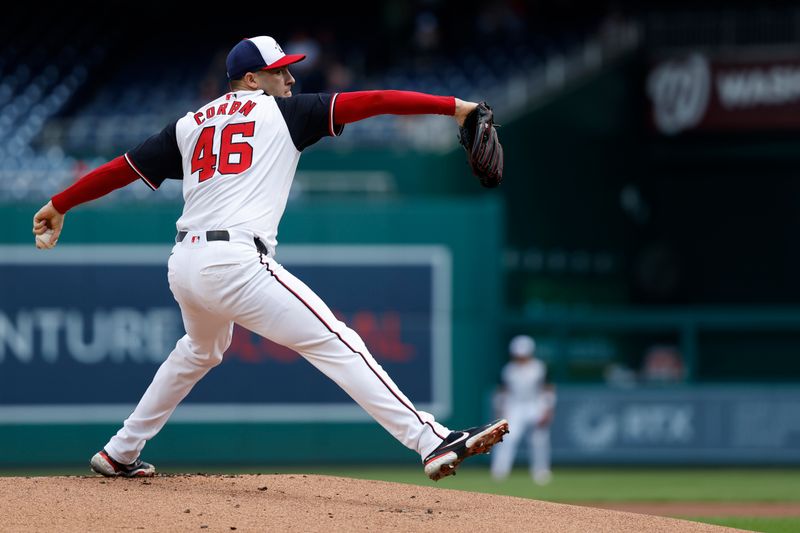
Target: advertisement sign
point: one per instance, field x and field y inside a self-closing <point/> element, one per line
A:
<point x="84" y="328"/>
<point x="703" y="424"/>
<point x="701" y="92"/>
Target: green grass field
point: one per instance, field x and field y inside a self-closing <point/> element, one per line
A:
<point x="574" y="485"/>
<point x="771" y="525"/>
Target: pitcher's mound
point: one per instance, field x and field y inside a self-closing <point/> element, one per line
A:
<point x="291" y="503"/>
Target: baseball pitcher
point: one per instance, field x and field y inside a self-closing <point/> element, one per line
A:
<point x="237" y="157"/>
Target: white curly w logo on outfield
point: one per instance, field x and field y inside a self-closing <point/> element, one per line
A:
<point x="680" y="92"/>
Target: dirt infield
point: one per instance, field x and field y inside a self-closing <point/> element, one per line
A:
<point x="292" y="503"/>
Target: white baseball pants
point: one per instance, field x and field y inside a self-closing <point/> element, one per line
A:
<point x="220" y="283"/>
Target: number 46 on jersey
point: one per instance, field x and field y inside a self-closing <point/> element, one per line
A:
<point x="235" y="156"/>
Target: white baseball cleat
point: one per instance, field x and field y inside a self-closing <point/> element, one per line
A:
<point x="103" y="464"/>
<point x="459" y="445"/>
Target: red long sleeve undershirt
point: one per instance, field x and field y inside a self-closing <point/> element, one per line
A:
<point x="354" y="106"/>
<point x="113" y="175"/>
<point x="348" y="107"/>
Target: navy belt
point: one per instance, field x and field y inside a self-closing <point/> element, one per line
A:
<point x="211" y="235"/>
<point x="223" y="235"/>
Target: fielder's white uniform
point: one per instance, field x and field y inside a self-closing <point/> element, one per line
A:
<point x="524" y="403"/>
<point x="237" y="157"/>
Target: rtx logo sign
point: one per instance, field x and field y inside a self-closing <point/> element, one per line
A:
<point x="600" y="426"/>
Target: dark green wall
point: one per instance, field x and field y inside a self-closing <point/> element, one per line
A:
<point x="566" y="161"/>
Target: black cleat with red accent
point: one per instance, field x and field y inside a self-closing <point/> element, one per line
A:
<point x="102" y="463"/>
<point x="462" y="444"/>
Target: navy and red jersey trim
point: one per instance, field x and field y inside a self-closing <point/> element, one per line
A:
<point x="309" y="117"/>
<point x="158" y="157"/>
<point x="139" y="172"/>
<point x="332" y="128"/>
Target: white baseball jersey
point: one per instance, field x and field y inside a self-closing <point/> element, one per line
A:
<point x="524" y="382"/>
<point x="237" y="157"/>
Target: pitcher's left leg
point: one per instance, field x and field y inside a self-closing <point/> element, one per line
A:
<point x="281" y="308"/>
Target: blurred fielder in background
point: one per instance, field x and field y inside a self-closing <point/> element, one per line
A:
<point x="528" y="403"/>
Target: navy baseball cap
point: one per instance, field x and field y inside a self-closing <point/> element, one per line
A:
<point x="257" y="53"/>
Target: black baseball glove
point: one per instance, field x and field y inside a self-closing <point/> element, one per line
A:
<point x="478" y="136"/>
